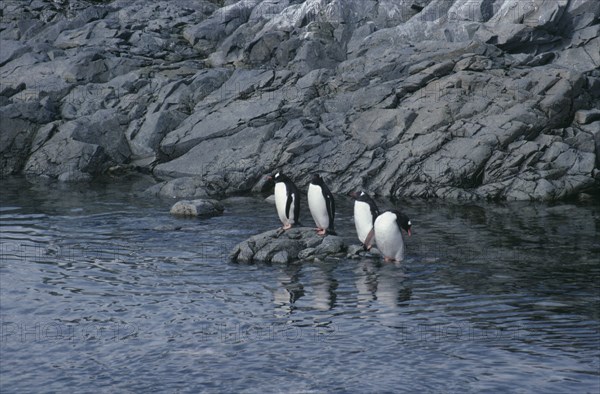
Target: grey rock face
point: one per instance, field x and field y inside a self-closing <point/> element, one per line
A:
<point x="99" y="138"/>
<point x="18" y="125"/>
<point x="469" y="99"/>
<point x="277" y="246"/>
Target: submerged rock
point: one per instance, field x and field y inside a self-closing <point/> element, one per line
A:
<point x="278" y="246"/>
<point x="202" y="207"/>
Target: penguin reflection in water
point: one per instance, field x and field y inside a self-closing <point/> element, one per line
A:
<point x="321" y="205"/>
<point x="287" y="200"/>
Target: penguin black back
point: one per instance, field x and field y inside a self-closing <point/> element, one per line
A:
<point x="329" y="200"/>
<point x="403" y="221"/>
<point x="364" y="197"/>
<point x="293" y="196"/>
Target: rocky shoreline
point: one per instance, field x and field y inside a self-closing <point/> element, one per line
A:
<point x="457" y="99"/>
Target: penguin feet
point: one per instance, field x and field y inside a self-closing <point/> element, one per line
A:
<point x="321" y="231"/>
<point x="390" y="260"/>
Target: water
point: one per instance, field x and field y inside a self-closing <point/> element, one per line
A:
<point x="102" y="290"/>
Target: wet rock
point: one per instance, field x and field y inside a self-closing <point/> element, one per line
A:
<point x="187" y="187"/>
<point x="63" y="154"/>
<point x="354" y="250"/>
<point x="74" y="176"/>
<point x="278" y="246"/>
<point x="200" y="207"/>
<point x="270" y="199"/>
<point x="100" y="138"/>
<point x="586" y="117"/>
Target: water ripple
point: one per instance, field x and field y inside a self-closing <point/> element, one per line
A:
<point x="99" y="291"/>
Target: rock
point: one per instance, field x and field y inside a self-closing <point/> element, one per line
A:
<point x="156" y="125"/>
<point x="63" y="154"/>
<point x="11" y="49"/>
<point x="452" y="99"/>
<point x="587" y="116"/>
<point x="331" y="245"/>
<point x="223" y="122"/>
<point x="18" y="125"/>
<point x="74" y="176"/>
<point x="270" y="199"/>
<point x="99" y="138"/>
<point x="278" y="246"/>
<point x="187" y="187"/>
<point x="354" y="251"/>
<point x="205" y="35"/>
<point x="585" y="197"/>
<point x="200" y="207"/>
<point x="253" y="152"/>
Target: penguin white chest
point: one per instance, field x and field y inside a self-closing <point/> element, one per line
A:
<point x="363" y="219"/>
<point x="389" y="237"/>
<point x="281" y="198"/>
<point x="318" y="206"/>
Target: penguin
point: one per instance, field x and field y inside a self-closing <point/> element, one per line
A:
<point x="388" y="233"/>
<point x="287" y="200"/>
<point x="365" y="213"/>
<point x="321" y="205"/>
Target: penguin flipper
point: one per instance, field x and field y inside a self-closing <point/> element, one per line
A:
<point x="369" y="239"/>
<point x="330" y="208"/>
<point x="288" y="204"/>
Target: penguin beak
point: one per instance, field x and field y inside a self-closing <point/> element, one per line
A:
<point x="409" y="232"/>
<point x="269" y="177"/>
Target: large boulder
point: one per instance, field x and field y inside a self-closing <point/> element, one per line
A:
<point x="88" y="144"/>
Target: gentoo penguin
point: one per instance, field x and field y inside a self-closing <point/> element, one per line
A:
<point x="389" y="236"/>
<point x="365" y="213"/>
<point x="321" y="205"/>
<point x="287" y="200"/>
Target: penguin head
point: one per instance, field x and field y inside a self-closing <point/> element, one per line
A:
<point x="357" y="194"/>
<point x="317" y="180"/>
<point x="279" y="177"/>
<point x="360" y="195"/>
<point x="403" y="222"/>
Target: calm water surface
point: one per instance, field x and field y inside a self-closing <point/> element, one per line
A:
<point x="103" y="291"/>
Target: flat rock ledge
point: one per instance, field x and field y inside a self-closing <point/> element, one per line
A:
<point x="298" y="243"/>
<point x="200" y="207"/>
